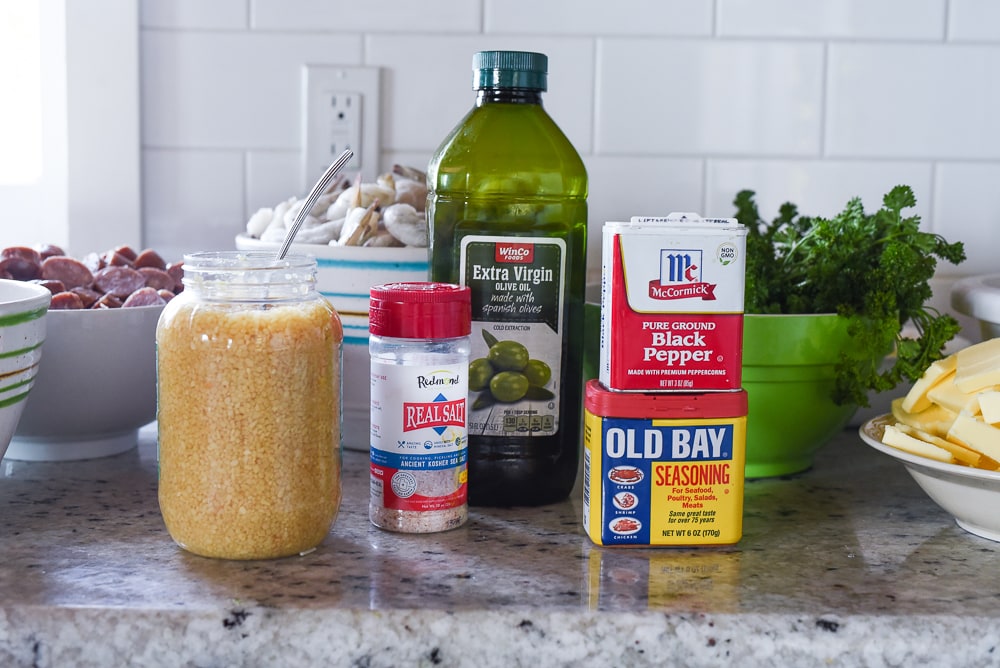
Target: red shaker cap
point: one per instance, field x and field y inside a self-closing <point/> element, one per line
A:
<point x="420" y="310"/>
<point x="664" y="405"/>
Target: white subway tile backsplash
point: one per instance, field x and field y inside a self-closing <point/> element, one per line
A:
<point x="599" y="17"/>
<point x="230" y="90"/>
<point x="192" y="200"/>
<point x="906" y="100"/>
<point x="708" y="97"/>
<point x="430" y="87"/>
<point x="817" y="187"/>
<point x="974" y="20"/>
<point x="674" y="104"/>
<point x="433" y="16"/>
<point x="194" y="14"/>
<point x="967" y="209"/>
<point x="836" y="19"/>
<point x="622" y="187"/>
<point x="272" y="177"/>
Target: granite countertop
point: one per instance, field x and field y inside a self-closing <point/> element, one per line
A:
<point x="846" y="564"/>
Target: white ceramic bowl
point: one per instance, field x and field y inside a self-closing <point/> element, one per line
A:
<point x="345" y="274"/>
<point x="979" y="297"/>
<point x="23" y="319"/>
<point x="971" y="495"/>
<point x="95" y="388"/>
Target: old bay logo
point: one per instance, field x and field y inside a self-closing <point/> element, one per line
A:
<point x="514" y="252"/>
<point x="674" y="443"/>
<point x="680" y="276"/>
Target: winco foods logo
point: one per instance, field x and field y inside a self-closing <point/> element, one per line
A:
<point x="514" y="253"/>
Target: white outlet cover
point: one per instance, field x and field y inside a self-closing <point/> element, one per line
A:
<point x="340" y="109"/>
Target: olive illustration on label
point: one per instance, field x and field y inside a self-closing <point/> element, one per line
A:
<point x="508" y="356"/>
<point x="509" y="386"/>
<point x="538" y="372"/>
<point x="508" y="374"/>
<point x="480" y="372"/>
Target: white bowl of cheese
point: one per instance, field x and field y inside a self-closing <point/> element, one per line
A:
<point x="946" y="431"/>
<point x="970" y="495"/>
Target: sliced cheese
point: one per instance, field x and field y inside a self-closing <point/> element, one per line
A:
<point x="946" y="393"/>
<point x="978" y="366"/>
<point x="897" y="439"/>
<point x="976" y="434"/>
<point x="916" y="399"/>
<point x="960" y="452"/>
<point x="989" y="406"/>
<point x="935" y="420"/>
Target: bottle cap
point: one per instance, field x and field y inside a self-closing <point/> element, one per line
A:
<point x="510" y="69"/>
<point x="420" y="310"/>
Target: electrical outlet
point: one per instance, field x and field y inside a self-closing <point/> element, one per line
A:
<point x="340" y="107"/>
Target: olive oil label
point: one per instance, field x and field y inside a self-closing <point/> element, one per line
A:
<point x="518" y="287"/>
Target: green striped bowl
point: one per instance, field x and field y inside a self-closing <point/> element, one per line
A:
<point x="22" y="331"/>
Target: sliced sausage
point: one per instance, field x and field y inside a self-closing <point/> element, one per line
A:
<point x="21" y="262"/>
<point x="107" y="301"/>
<point x="21" y="269"/>
<point x="87" y="296"/>
<point x="144" y="297"/>
<point x="72" y="273"/>
<point x="126" y="251"/>
<point x="22" y="252"/>
<point x="48" y="250"/>
<point x="150" y="258"/>
<point x="52" y="286"/>
<point x="119" y="281"/>
<point x="176" y="270"/>
<point x="157" y="278"/>
<point x="65" y="300"/>
<point x="116" y="259"/>
<point x="166" y="294"/>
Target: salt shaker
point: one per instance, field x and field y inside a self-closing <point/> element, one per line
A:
<point x="419" y="345"/>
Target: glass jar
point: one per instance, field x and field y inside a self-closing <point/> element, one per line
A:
<point x="248" y="382"/>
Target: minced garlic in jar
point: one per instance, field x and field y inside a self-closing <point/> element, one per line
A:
<point x="248" y="370"/>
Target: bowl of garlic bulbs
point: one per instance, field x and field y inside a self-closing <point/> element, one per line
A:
<point x="361" y="234"/>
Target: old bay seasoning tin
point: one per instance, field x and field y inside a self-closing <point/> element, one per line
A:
<point x="673" y="296"/>
<point x="663" y="468"/>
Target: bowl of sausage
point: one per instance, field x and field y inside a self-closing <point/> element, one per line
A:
<point x="96" y="383"/>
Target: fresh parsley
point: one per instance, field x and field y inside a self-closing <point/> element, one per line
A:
<point x="870" y="268"/>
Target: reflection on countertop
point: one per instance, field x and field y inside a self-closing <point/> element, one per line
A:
<point x="846" y="564"/>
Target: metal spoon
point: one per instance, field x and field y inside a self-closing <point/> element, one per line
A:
<point x="317" y="191"/>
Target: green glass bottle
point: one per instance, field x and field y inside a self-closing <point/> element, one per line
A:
<point x="507" y="210"/>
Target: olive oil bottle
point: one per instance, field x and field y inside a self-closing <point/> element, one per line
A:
<point x="507" y="210"/>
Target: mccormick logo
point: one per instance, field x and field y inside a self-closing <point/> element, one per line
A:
<point x="518" y="253"/>
<point x="680" y="277"/>
<point x="437" y="415"/>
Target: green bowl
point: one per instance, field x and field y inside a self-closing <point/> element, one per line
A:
<point x="788" y="373"/>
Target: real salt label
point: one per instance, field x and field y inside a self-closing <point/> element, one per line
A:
<point x="672" y="304"/>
